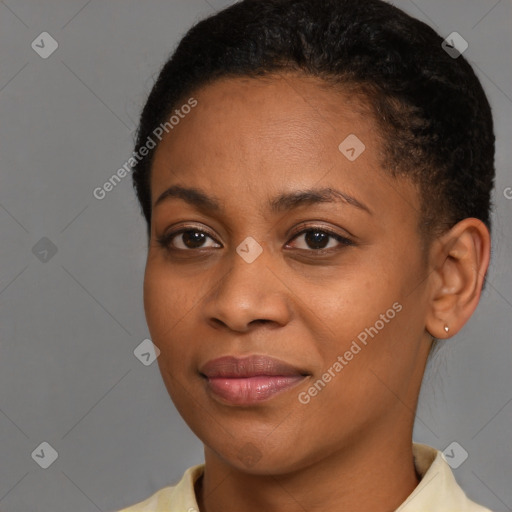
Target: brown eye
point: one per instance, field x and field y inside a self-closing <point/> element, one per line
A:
<point x="317" y="239"/>
<point x="192" y="239"/>
<point x="185" y="239"/>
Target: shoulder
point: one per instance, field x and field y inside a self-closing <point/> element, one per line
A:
<point x="438" y="489"/>
<point x="176" y="498"/>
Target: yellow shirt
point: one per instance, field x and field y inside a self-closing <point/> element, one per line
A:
<point x="437" y="491"/>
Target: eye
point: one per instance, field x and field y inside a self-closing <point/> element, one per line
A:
<point x="317" y="239"/>
<point x="187" y="238"/>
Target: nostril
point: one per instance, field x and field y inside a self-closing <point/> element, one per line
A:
<point x="262" y="321"/>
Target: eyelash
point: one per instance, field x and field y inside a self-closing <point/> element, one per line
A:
<point x="165" y="240"/>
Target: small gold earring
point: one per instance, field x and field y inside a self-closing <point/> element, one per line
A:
<point x="446" y="328"/>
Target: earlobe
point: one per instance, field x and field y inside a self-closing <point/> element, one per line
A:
<point x="459" y="260"/>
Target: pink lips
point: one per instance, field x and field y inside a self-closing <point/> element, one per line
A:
<point x="244" y="381"/>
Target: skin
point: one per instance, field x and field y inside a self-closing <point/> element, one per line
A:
<point x="350" y="447"/>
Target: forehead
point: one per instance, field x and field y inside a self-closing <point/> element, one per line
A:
<point x="301" y="111"/>
<point x="248" y="141"/>
<point x="255" y="126"/>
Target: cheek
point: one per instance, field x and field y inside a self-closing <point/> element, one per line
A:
<point x="379" y="329"/>
<point x="166" y="303"/>
<point x="353" y="302"/>
<point x="158" y="300"/>
<point x="368" y="323"/>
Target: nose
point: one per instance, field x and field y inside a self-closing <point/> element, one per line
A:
<point x="247" y="295"/>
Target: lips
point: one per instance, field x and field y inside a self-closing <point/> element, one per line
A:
<point x="245" y="381"/>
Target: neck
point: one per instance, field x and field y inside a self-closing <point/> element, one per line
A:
<point x="373" y="476"/>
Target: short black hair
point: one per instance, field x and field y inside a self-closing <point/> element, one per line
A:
<point x="435" y="119"/>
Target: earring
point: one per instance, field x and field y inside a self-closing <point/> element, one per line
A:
<point x="446" y="328"/>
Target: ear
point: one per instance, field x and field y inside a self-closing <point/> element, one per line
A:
<point x="459" y="260"/>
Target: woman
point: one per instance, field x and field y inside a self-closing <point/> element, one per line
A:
<point x="316" y="178"/>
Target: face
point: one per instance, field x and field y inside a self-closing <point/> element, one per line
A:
<point x="330" y="282"/>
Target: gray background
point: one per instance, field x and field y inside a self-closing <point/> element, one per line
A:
<point x="70" y="324"/>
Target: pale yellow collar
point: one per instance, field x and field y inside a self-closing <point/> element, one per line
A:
<point x="437" y="491"/>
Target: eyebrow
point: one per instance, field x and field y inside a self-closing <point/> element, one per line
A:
<point x="283" y="202"/>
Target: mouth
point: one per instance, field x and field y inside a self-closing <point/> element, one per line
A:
<point x="249" y="380"/>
